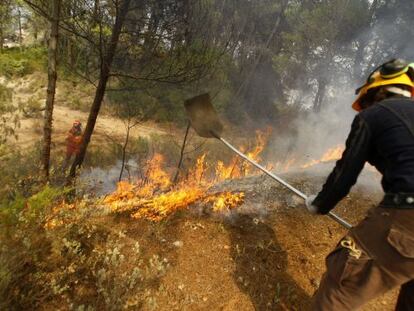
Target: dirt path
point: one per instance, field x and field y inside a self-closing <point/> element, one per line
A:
<point x="33" y="88"/>
<point x="106" y="127"/>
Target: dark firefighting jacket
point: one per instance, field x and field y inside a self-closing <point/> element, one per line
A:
<point x="382" y="135"/>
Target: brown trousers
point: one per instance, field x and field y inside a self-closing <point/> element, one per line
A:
<point x="383" y="258"/>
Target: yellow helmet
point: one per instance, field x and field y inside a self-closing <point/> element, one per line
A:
<point x="394" y="72"/>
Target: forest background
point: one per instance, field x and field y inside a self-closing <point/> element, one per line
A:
<point x="291" y="65"/>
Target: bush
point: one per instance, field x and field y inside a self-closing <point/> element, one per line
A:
<point x="35" y="207"/>
<point x="117" y="271"/>
<point x="23" y="247"/>
<point x="18" y="172"/>
<point x="14" y="62"/>
<point x="69" y="257"/>
<point x="11" y="67"/>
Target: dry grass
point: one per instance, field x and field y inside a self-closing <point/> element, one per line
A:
<point x="266" y="255"/>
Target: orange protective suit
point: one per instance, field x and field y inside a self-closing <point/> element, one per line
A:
<point x="73" y="142"/>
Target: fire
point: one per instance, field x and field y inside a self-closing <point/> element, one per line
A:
<point x="238" y="168"/>
<point x="331" y="154"/>
<point x="125" y="191"/>
<point x="284" y="166"/>
<point x="227" y="201"/>
<point x="224" y="172"/>
<point x="62" y="213"/>
<point x="165" y="204"/>
<point x="261" y="139"/>
<point x="156" y="178"/>
<point x="156" y="196"/>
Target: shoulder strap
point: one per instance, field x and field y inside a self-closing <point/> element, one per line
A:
<point x="400" y="115"/>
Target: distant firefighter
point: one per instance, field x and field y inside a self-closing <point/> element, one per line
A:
<point x="73" y="142"/>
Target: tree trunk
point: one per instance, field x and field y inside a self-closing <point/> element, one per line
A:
<point x="124" y="150"/>
<point x="51" y="87"/>
<point x="320" y="94"/>
<point x="20" y="28"/>
<point x="1" y="40"/>
<point x="180" y="162"/>
<point x="100" y="90"/>
<point x="187" y="16"/>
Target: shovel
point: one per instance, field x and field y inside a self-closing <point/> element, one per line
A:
<point x="205" y="121"/>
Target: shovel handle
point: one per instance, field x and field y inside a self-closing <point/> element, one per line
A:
<point x="335" y="217"/>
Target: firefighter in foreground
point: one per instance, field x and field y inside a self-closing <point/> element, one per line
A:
<point x="378" y="254"/>
<point x="73" y="142"/>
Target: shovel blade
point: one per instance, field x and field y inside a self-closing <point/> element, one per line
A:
<point x="203" y="117"/>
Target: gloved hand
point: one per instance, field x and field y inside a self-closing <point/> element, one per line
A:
<point x="311" y="208"/>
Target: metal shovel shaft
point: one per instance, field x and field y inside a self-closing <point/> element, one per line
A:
<point x="281" y="181"/>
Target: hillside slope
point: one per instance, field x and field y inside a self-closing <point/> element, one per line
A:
<point x="267" y="254"/>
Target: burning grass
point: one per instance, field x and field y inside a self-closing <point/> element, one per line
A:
<point x="330" y="155"/>
<point x="155" y="197"/>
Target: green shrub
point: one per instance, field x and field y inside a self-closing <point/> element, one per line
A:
<point x="34" y="207"/>
<point x="24" y="246"/>
<point x="118" y="272"/>
<point x="11" y="67"/>
<point x="162" y="115"/>
<point x="9" y="210"/>
<point x="79" y="262"/>
<point x="9" y="117"/>
<point x="19" y="172"/>
<point x="14" y="62"/>
<point x="39" y="203"/>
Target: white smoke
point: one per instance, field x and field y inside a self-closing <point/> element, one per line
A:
<point x="317" y="132"/>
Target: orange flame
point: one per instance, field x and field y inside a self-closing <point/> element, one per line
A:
<point x="331" y="154"/>
<point x="155" y="197"/>
<point x="238" y="168"/>
<point x="226" y="201"/>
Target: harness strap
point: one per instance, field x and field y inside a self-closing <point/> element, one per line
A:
<point x="400" y="115"/>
